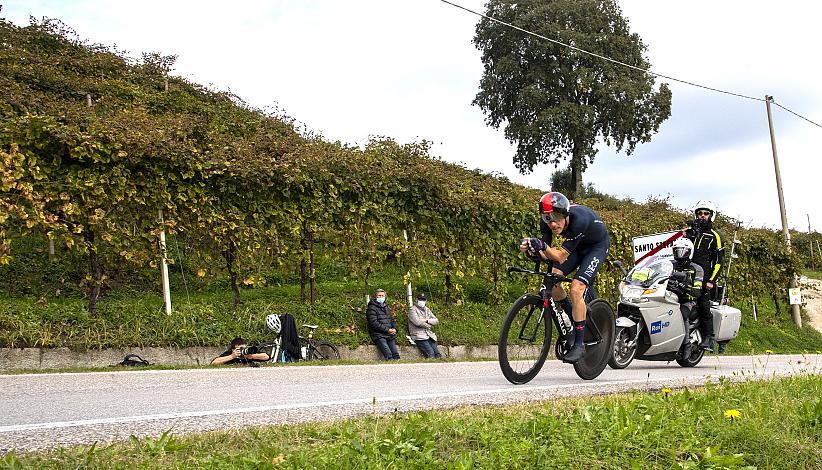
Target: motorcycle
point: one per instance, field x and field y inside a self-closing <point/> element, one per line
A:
<point x="652" y="324"/>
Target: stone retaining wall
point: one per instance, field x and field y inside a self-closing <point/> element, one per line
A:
<point x="60" y="358"/>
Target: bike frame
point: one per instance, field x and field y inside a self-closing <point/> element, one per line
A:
<point x="549" y="280"/>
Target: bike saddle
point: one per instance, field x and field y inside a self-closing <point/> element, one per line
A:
<point x="313" y="327"/>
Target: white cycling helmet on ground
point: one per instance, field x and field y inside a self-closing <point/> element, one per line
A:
<point x="683" y="249"/>
<point x="273" y="323"/>
<point x="705" y="205"/>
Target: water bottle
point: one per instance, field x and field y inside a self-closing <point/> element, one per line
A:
<point x="564" y="319"/>
<point x="303" y="352"/>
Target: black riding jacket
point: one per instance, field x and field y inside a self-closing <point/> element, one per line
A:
<point x="709" y="251"/>
<point x="692" y="283"/>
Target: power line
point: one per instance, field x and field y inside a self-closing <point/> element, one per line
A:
<point x="794" y="113"/>
<point x="648" y="71"/>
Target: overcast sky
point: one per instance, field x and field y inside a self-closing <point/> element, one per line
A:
<point x="407" y="69"/>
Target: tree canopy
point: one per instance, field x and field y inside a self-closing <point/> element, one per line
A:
<point x="557" y="102"/>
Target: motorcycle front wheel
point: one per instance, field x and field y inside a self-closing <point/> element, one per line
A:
<point x="623" y="353"/>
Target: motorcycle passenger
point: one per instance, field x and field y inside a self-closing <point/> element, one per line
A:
<point x="686" y="282"/>
<point x="709" y="252"/>
<point x="585" y="247"/>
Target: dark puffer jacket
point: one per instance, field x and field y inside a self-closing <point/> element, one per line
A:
<point x="379" y="320"/>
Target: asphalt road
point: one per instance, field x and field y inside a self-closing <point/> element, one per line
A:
<point x="49" y="410"/>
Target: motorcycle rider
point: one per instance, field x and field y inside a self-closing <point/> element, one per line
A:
<point x="709" y="253"/>
<point x="686" y="282"/>
<point x="585" y="247"/>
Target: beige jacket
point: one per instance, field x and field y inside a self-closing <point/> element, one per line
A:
<point x="420" y="321"/>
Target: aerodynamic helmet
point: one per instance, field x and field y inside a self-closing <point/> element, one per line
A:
<point x="553" y="206"/>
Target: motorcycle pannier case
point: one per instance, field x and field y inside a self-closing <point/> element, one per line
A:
<point x="726" y="322"/>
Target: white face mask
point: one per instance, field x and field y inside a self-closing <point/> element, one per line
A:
<point x="421" y="303"/>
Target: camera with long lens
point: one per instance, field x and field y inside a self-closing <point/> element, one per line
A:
<point x="249" y="350"/>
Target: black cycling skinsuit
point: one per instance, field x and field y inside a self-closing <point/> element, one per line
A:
<point x="709" y="253"/>
<point x="586" y="242"/>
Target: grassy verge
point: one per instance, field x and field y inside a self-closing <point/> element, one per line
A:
<point x="208" y="319"/>
<point x="204" y="316"/>
<point x="773" y="424"/>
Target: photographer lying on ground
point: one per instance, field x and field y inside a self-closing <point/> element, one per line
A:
<point x="239" y="352"/>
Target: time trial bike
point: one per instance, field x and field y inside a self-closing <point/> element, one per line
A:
<point x="525" y="338"/>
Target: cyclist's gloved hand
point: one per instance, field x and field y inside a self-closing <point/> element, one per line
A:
<point x="537" y="245"/>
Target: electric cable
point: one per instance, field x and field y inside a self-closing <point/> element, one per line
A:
<point x="795" y="113"/>
<point x="648" y="71"/>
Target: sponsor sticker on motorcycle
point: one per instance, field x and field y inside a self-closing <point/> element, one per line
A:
<point x="657" y="326"/>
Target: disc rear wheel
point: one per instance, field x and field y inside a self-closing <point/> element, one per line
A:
<point x="600" y="326"/>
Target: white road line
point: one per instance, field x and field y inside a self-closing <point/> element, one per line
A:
<point x="671" y="381"/>
<point x="295" y="406"/>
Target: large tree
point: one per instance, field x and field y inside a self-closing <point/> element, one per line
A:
<point x="557" y="102"/>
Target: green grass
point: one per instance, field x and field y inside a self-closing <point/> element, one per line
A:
<point x="206" y="318"/>
<point x="778" y="424"/>
<point x="131" y="315"/>
<point x="812" y="274"/>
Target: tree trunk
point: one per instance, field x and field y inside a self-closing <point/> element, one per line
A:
<point x="495" y="268"/>
<point x="303" y="278"/>
<point x="230" y="256"/>
<point x="95" y="270"/>
<point x="51" y="249"/>
<point x="576" y="176"/>
<point x="448" y="288"/>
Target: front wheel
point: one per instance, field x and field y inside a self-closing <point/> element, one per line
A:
<point x="324" y="351"/>
<point x="624" y="351"/>
<point x="524" y="340"/>
<point x="600" y="326"/>
<point x="696" y="352"/>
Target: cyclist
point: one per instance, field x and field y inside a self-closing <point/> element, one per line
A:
<point x="709" y="252"/>
<point x="584" y="249"/>
<point x="687" y="286"/>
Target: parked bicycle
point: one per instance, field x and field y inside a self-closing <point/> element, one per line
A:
<point x="315" y="350"/>
<point x="525" y="338"/>
<point x="310" y="348"/>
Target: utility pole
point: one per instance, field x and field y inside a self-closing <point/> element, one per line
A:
<point x="813" y="263"/>
<point x="797" y="318"/>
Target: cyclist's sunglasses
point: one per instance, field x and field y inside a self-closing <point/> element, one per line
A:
<point x="703" y="212"/>
<point x="552" y="217"/>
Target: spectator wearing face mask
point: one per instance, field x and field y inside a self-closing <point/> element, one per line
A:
<point x="420" y="321"/>
<point x="381" y="326"/>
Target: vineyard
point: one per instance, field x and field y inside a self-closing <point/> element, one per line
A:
<point x="95" y="145"/>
